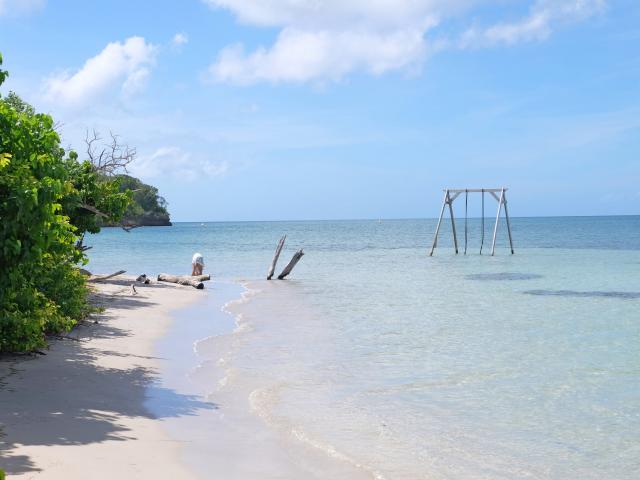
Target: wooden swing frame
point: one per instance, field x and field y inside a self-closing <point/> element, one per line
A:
<point x="450" y="194"/>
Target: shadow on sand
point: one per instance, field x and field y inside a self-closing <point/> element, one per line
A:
<point x="89" y="415"/>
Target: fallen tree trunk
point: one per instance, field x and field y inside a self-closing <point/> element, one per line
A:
<point x="101" y="278"/>
<point x="294" y="260"/>
<point x="195" y="282"/>
<point x="201" y="278"/>
<point x="276" y="255"/>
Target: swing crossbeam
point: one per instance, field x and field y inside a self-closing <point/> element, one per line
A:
<point x="450" y="194"/>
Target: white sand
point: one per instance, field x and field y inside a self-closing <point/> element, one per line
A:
<point x="78" y="412"/>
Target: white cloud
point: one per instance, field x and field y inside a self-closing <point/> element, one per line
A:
<point x="301" y="56"/>
<point x="178" y="164"/>
<point x="544" y="17"/>
<point x="325" y="40"/>
<point x="20" y="7"/>
<point x="179" y="39"/>
<point x="125" y="65"/>
<point x="339" y="14"/>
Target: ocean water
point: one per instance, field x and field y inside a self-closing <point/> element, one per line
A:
<point x="398" y="365"/>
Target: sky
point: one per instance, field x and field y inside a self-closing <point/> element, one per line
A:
<point x="338" y="109"/>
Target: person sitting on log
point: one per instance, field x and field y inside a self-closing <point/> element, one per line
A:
<point x="197" y="264"/>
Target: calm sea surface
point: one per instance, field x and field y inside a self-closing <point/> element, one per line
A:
<point x="408" y="366"/>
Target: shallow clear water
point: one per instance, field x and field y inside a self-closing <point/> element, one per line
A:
<point x="406" y="366"/>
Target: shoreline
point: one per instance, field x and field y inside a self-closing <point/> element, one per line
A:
<point x="81" y="409"/>
<point x="238" y="440"/>
<point x="133" y="397"/>
<point x="233" y="438"/>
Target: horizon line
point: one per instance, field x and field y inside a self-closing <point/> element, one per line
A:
<point x="399" y="218"/>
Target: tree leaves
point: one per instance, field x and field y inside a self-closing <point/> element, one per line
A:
<point x="40" y="288"/>
<point x="3" y="73"/>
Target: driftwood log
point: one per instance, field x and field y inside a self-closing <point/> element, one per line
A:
<point x="195" y="281"/>
<point x="276" y="255"/>
<point x="201" y="278"/>
<point x="100" y="278"/>
<point x="294" y="260"/>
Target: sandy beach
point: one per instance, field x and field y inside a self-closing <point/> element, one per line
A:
<point x="79" y="412"/>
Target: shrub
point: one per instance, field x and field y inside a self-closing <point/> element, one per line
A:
<point x="48" y="201"/>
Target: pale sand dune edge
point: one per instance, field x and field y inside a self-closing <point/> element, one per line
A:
<point x="78" y="412"/>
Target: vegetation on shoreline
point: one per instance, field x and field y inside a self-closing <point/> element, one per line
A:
<point x="147" y="207"/>
<point x="48" y="200"/>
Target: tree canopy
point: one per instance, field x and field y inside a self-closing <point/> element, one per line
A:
<point x="48" y="200"/>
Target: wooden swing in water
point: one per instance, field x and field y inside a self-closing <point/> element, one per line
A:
<point x="451" y="194"/>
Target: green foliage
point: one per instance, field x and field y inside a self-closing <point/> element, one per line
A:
<point x="67" y="286"/>
<point x="102" y="193"/>
<point x="19" y="105"/>
<point x="147" y="207"/>
<point x="3" y="73"/>
<point x="44" y="195"/>
<point x="2" y="474"/>
<point x="34" y="233"/>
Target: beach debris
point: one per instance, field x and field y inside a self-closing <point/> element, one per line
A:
<point x="143" y="279"/>
<point x="294" y="260"/>
<point x="202" y="278"/>
<point x="133" y="290"/>
<point x="276" y="255"/>
<point x="287" y="270"/>
<point x="195" y="281"/>
<point x="101" y="278"/>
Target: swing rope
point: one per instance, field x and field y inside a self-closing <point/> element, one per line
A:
<point x="482" y="236"/>
<point x="466" y="209"/>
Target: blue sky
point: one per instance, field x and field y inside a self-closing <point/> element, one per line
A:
<point x="305" y="109"/>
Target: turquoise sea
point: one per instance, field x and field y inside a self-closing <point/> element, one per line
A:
<point x="405" y="366"/>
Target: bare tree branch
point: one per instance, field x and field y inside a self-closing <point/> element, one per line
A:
<point x="108" y="158"/>
<point x="80" y="246"/>
<point x="93" y="209"/>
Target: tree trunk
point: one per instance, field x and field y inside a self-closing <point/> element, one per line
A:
<point x="200" y="278"/>
<point x="294" y="260"/>
<point x="100" y="278"/>
<point x="195" y="282"/>
<point x="276" y="255"/>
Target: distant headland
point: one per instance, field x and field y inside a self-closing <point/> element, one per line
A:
<point x="147" y="209"/>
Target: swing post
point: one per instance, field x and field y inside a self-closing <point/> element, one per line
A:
<point x="453" y="222"/>
<point x="495" y="227"/>
<point x="435" y="237"/>
<point x="466" y="217"/>
<point x="506" y="216"/>
<point x="482" y="223"/>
